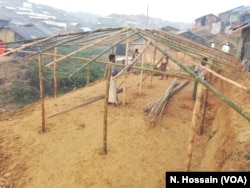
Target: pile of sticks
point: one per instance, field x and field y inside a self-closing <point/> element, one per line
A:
<point x="155" y="109"/>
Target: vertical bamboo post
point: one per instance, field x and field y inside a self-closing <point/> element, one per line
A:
<point x="40" y="62"/>
<point x="182" y="61"/>
<point x="193" y="127"/>
<point x="55" y="75"/>
<point x="151" y="74"/>
<point x="124" y="91"/>
<point x="142" y="65"/>
<point x="204" y="103"/>
<point x="105" y="119"/>
<point x="88" y="67"/>
<point x="203" y="111"/>
<point x="88" y="73"/>
<point x="125" y="79"/>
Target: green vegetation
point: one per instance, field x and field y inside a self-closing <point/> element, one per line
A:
<point x="21" y="93"/>
<point x="26" y="90"/>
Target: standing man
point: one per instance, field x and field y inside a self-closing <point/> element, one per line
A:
<point x="212" y="45"/>
<point x="113" y="97"/>
<point x="199" y="70"/>
<point x="136" y="53"/>
<point x="163" y="66"/>
<point x="225" y="48"/>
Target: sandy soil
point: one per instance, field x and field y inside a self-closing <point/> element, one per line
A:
<point x="67" y="155"/>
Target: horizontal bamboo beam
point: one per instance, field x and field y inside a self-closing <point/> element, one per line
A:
<point x="86" y="102"/>
<point x="105" y="51"/>
<point x="186" y="76"/>
<point x="134" y="60"/>
<point x="224" y="78"/>
<point x="28" y="45"/>
<point x="87" y="46"/>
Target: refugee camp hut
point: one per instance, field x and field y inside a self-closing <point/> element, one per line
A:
<point x="245" y="49"/>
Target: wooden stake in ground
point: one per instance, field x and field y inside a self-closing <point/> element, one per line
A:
<point x="203" y="111"/>
<point x="55" y="76"/>
<point x="141" y="76"/>
<point x="40" y="62"/>
<point x="105" y="119"/>
<point x="193" y="126"/>
<point x="88" y="67"/>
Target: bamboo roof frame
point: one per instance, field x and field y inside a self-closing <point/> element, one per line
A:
<point x="155" y="36"/>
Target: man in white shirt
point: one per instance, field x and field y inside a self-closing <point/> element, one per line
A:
<point x="225" y="48"/>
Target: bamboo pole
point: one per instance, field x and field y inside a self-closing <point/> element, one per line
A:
<point x="87" y="46"/>
<point x="55" y="75"/>
<point x="88" y="68"/>
<point x="193" y="127"/>
<point x="203" y="110"/>
<point x="124" y="91"/>
<point x="141" y="75"/>
<point x="133" y="62"/>
<point x="90" y="61"/>
<point x="40" y="64"/>
<point x="204" y="104"/>
<point x="57" y="44"/>
<point x="76" y="38"/>
<point x="86" y="102"/>
<point x="191" y="47"/>
<point x="182" y="61"/>
<point x="206" y="84"/>
<point x="125" y="79"/>
<point x="224" y="78"/>
<point x="105" y="119"/>
<point x="28" y="45"/>
<point x="154" y="109"/>
<point x="151" y="73"/>
<point x="121" y="65"/>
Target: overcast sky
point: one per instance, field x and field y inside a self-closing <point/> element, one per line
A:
<point x="171" y="10"/>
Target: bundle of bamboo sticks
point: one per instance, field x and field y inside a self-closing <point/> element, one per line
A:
<point x="155" y="109"/>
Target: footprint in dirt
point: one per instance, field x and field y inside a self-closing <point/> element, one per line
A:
<point x="81" y="126"/>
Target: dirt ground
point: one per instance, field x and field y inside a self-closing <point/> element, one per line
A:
<point x="68" y="154"/>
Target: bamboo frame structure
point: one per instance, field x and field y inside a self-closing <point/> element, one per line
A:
<point x="40" y="65"/>
<point x="169" y="40"/>
<point x="205" y="83"/>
